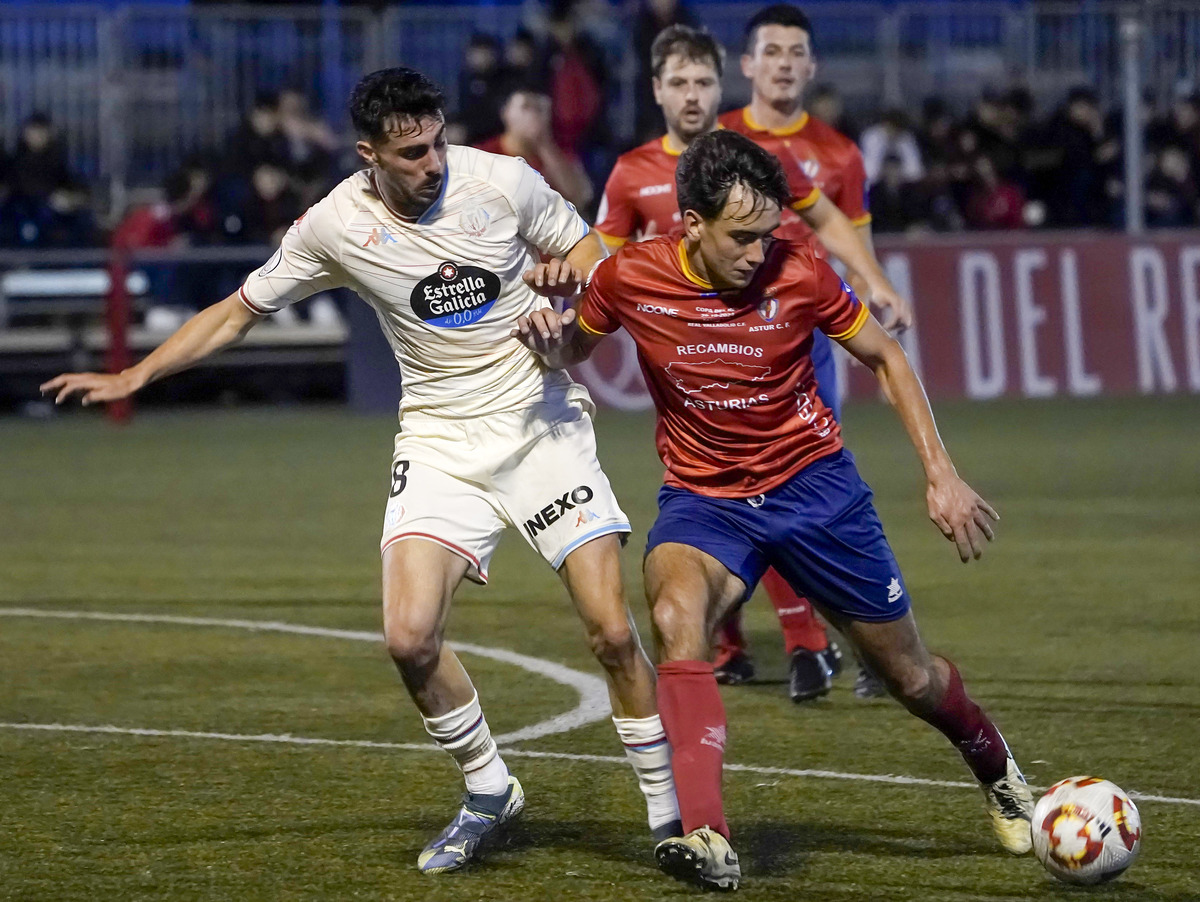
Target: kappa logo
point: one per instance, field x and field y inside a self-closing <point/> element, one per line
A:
<point x="585" y="516"/>
<point x="553" y="511"/>
<point x="895" y="591"/>
<point x="379" y="236"/>
<point x="714" y="737"/>
<point x="810" y="168"/>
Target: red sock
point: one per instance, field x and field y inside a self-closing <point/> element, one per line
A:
<point x="693" y="717"/>
<point x="730" y="640"/>
<point x="801" y="628"/>
<point x="972" y="732"/>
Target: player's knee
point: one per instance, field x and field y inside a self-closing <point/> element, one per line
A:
<point x="912" y="685"/>
<point x="673" y="623"/>
<point x="613" y="644"/>
<point x="411" y="646"/>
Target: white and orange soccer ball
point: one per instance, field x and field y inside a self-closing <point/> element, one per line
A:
<point x="1086" y="830"/>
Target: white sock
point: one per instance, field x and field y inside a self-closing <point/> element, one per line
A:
<point x="647" y="749"/>
<point x="464" y="733"/>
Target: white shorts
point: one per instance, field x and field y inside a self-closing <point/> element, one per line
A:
<point x="459" y="483"/>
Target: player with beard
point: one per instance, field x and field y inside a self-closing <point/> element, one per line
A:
<point x="444" y="243"/>
<point x="639" y="202"/>
<point x="723" y="316"/>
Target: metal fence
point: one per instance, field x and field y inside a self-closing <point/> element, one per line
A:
<point x="137" y="88"/>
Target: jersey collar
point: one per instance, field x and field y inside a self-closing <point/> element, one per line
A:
<point x="777" y="132"/>
<point x="687" y="270"/>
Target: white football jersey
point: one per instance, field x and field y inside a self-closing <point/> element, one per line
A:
<point x="447" y="288"/>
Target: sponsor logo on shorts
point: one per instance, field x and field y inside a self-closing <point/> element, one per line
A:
<point x="894" y="591"/>
<point x="455" y="296"/>
<point x="557" y="508"/>
<point x="585" y="516"/>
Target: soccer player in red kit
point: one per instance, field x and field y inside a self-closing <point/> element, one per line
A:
<point x="779" y="62"/>
<point x="639" y="202"/>
<point x="723" y="318"/>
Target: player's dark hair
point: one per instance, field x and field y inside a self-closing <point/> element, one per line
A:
<point x="385" y="99"/>
<point x="715" y="162"/>
<point x="778" y="14"/>
<point x="695" y="45"/>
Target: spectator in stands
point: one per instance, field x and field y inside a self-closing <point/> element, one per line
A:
<point x="522" y="55"/>
<point x="274" y="206"/>
<point x="526" y="115"/>
<point x="1171" y="194"/>
<point x="310" y="145"/>
<point x="652" y="16"/>
<point x="1076" y="134"/>
<point x="939" y="208"/>
<point x="891" y="138"/>
<point x="995" y="203"/>
<point x="894" y="199"/>
<point x="482" y="87"/>
<point x="825" y="103"/>
<point x="46" y="205"/>
<point x="936" y="135"/>
<point x="577" y="83"/>
<point x="259" y="138"/>
<point x="1180" y="127"/>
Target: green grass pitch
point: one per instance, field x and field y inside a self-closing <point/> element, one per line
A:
<point x="1078" y="630"/>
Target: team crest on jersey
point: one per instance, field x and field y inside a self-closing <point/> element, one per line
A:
<point x="768" y="308"/>
<point x="474" y="220"/>
<point x="455" y="295"/>
<point x="810" y="168"/>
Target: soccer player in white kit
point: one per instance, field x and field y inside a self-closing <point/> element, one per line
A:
<point x="444" y="243"/>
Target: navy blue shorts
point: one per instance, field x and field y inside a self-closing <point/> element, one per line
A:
<point x="819" y="530"/>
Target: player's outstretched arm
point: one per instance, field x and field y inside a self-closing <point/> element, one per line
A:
<point x="853" y="247"/>
<point x="555" y="337"/>
<point x="207" y="332"/>
<point x="565" y="277"/>
<point x="962" y="516"/>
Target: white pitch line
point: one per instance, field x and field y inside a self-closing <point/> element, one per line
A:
<point x="286" y="739"/>
<point x="593" y="704"/>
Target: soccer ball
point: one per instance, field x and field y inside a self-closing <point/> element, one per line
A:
<point x="1086" y="830"/>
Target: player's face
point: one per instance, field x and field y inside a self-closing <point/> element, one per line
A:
<point x="734" y="244"/>
<point x="410" y="162"/>
<point x="689" y="93"/>
<point x="780" y="64"/>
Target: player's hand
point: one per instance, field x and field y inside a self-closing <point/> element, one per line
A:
<point x="543" y="330"/>
<point x="963" y="517"/>
<point x="556" y="279"/>
<point x="94" y="388"/>
<point x="897" y="311"/>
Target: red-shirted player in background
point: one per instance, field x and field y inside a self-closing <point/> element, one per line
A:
<point x="639" y="202"/>
<point x="779" y="62"/>
<point x="723" y="318"/>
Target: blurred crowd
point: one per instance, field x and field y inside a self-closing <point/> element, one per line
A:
<point x="546" y="94"/>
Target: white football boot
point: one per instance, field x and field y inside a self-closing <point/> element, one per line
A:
<point x="703" y="857"/>
<point x="1010" y="804"/>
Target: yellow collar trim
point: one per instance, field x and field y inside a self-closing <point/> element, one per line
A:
<point x="687" y="269"/>
<point x="777" y="132"/>
<point x="666" y="146"/>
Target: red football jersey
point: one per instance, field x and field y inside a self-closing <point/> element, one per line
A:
<point x="639" y="199"/>
<point x="730" y="373"/>
<point x="821" y="153"/>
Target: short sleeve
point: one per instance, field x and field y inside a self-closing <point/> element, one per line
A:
<point x="804" y="192"/>
<point x="597" y="314"/>
<point x="302" y="266"/>
<point x="852" y="199"/>
<point x="616" y="218"/>
<point x="840" y="314"/>
<point x="544" y="218"/>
